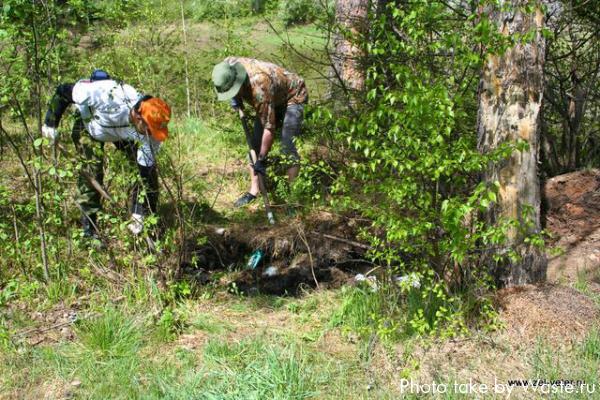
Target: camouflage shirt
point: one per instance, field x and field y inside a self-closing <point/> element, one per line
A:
<point x="272" y="87"/>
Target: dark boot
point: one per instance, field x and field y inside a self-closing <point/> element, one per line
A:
<point x="89" y="224"/>
<point x="244" y="200"/>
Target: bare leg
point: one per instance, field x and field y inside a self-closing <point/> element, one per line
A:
<point x="292" y="173"/>
<point x="254" y="189"/>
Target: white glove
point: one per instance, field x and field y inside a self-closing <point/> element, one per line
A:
<point x="49" y="133"/>
<point x="137" y="224"/>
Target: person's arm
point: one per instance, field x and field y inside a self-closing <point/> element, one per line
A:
<point x="149" y="177"/>
<point x="146" y="161"/>
<point x="267" y="142"/>
<point x="62" y="99"/>
<point x="260" y="166"/>
<point x="266" y="113"/>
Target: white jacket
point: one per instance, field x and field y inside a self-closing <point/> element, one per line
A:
<point x="104" y="107"/>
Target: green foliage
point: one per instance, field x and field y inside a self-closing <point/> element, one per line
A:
<point x="114" y="12"/>
<point x="590" y="347"/>
<point x="178" y="291"/>
<point x="412" y="306"/>
<point x="5" y="334"/>
<point x="170" y="324"/>
<point x="409" y="163"/>
<point x="570" y="124"/>
<point x="210" y="10"/>
<point x="310" y="189"/>
<point x="34" y="39"/>
<point x="294" y="12"/>
<point x="359" y="311"/>
<point x="59" y="289"/>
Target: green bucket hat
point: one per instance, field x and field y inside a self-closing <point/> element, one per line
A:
<point x="228" y="79"/>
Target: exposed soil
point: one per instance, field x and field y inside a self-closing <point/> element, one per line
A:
<point x="573" y="218"/>
<point x="322" y="249"/>
<point x="51" y="326"/>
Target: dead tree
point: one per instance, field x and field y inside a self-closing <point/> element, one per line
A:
<point x="348" y="73"/>
<point x="511" y="91"/>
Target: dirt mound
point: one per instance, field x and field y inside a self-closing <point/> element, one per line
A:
<point x="573" y="205"/>
<point x="573" y="218"/>
<point x="559" y="313"/>
<point x="319" y="251"/>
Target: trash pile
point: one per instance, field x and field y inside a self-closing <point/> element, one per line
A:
<point x="320" y="252"/>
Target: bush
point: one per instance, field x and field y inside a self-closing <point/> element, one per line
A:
<point x="210" y="10"/>
<point x="408" y="162"/>
<point x="298" y="11"/>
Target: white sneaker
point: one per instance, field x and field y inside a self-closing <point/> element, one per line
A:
<point x="137" y="224"/>
<point x="49" y="133"/>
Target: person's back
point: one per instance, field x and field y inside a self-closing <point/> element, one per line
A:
<point x="271" y="85"/>
<point x="105" y="104"/>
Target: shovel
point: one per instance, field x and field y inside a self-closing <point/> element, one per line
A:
<point x="253" y="158"/>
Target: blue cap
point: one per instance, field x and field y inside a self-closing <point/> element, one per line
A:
<point x="99" y="75"/>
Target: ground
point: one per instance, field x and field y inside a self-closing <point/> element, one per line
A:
<point x="106" y="333"/>
<point x="573" y="218"/>
<point x="288" y="347"/>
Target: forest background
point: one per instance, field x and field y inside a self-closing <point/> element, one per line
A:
<point x="396" y="186"/>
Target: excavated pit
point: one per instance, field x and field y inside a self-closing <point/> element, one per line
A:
<point x="319" y="251"/>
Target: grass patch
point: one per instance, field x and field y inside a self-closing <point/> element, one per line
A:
<point x="582" y="285"/>
<point x="120" y="354"/>
<point x="210" y="324"/>
<point x="253" y="370"/>
<point x="111" y="335"/>
<point x="60" y="290"/>
<point x="579" y="363"/>
<point x="590" y="347"/>
<point x="356" y="311"/>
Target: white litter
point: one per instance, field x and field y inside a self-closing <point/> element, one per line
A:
<point x="270" y="271"/>
<point x="371" y="281"/>
<point x="408" y="281"/>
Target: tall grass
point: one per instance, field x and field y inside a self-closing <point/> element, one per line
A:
<point x="114" y="356"/>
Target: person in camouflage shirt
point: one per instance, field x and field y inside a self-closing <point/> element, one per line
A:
<point x="278" y="97"/>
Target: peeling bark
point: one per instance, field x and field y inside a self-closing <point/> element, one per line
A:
<point x="347" y="70"/>
<point x="510" y="99"/>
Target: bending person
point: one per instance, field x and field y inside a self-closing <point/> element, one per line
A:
<point x="111" y="111"/>
<point x="278" y="97"/>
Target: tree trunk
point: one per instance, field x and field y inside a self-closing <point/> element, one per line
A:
<point x="348" y="73"/>
<point x="510" y="98"/>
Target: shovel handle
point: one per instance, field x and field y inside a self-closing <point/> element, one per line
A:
<point x="253" y="159"/>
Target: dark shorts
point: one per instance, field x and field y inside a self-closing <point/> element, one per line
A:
<point x="291" y="116"/>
